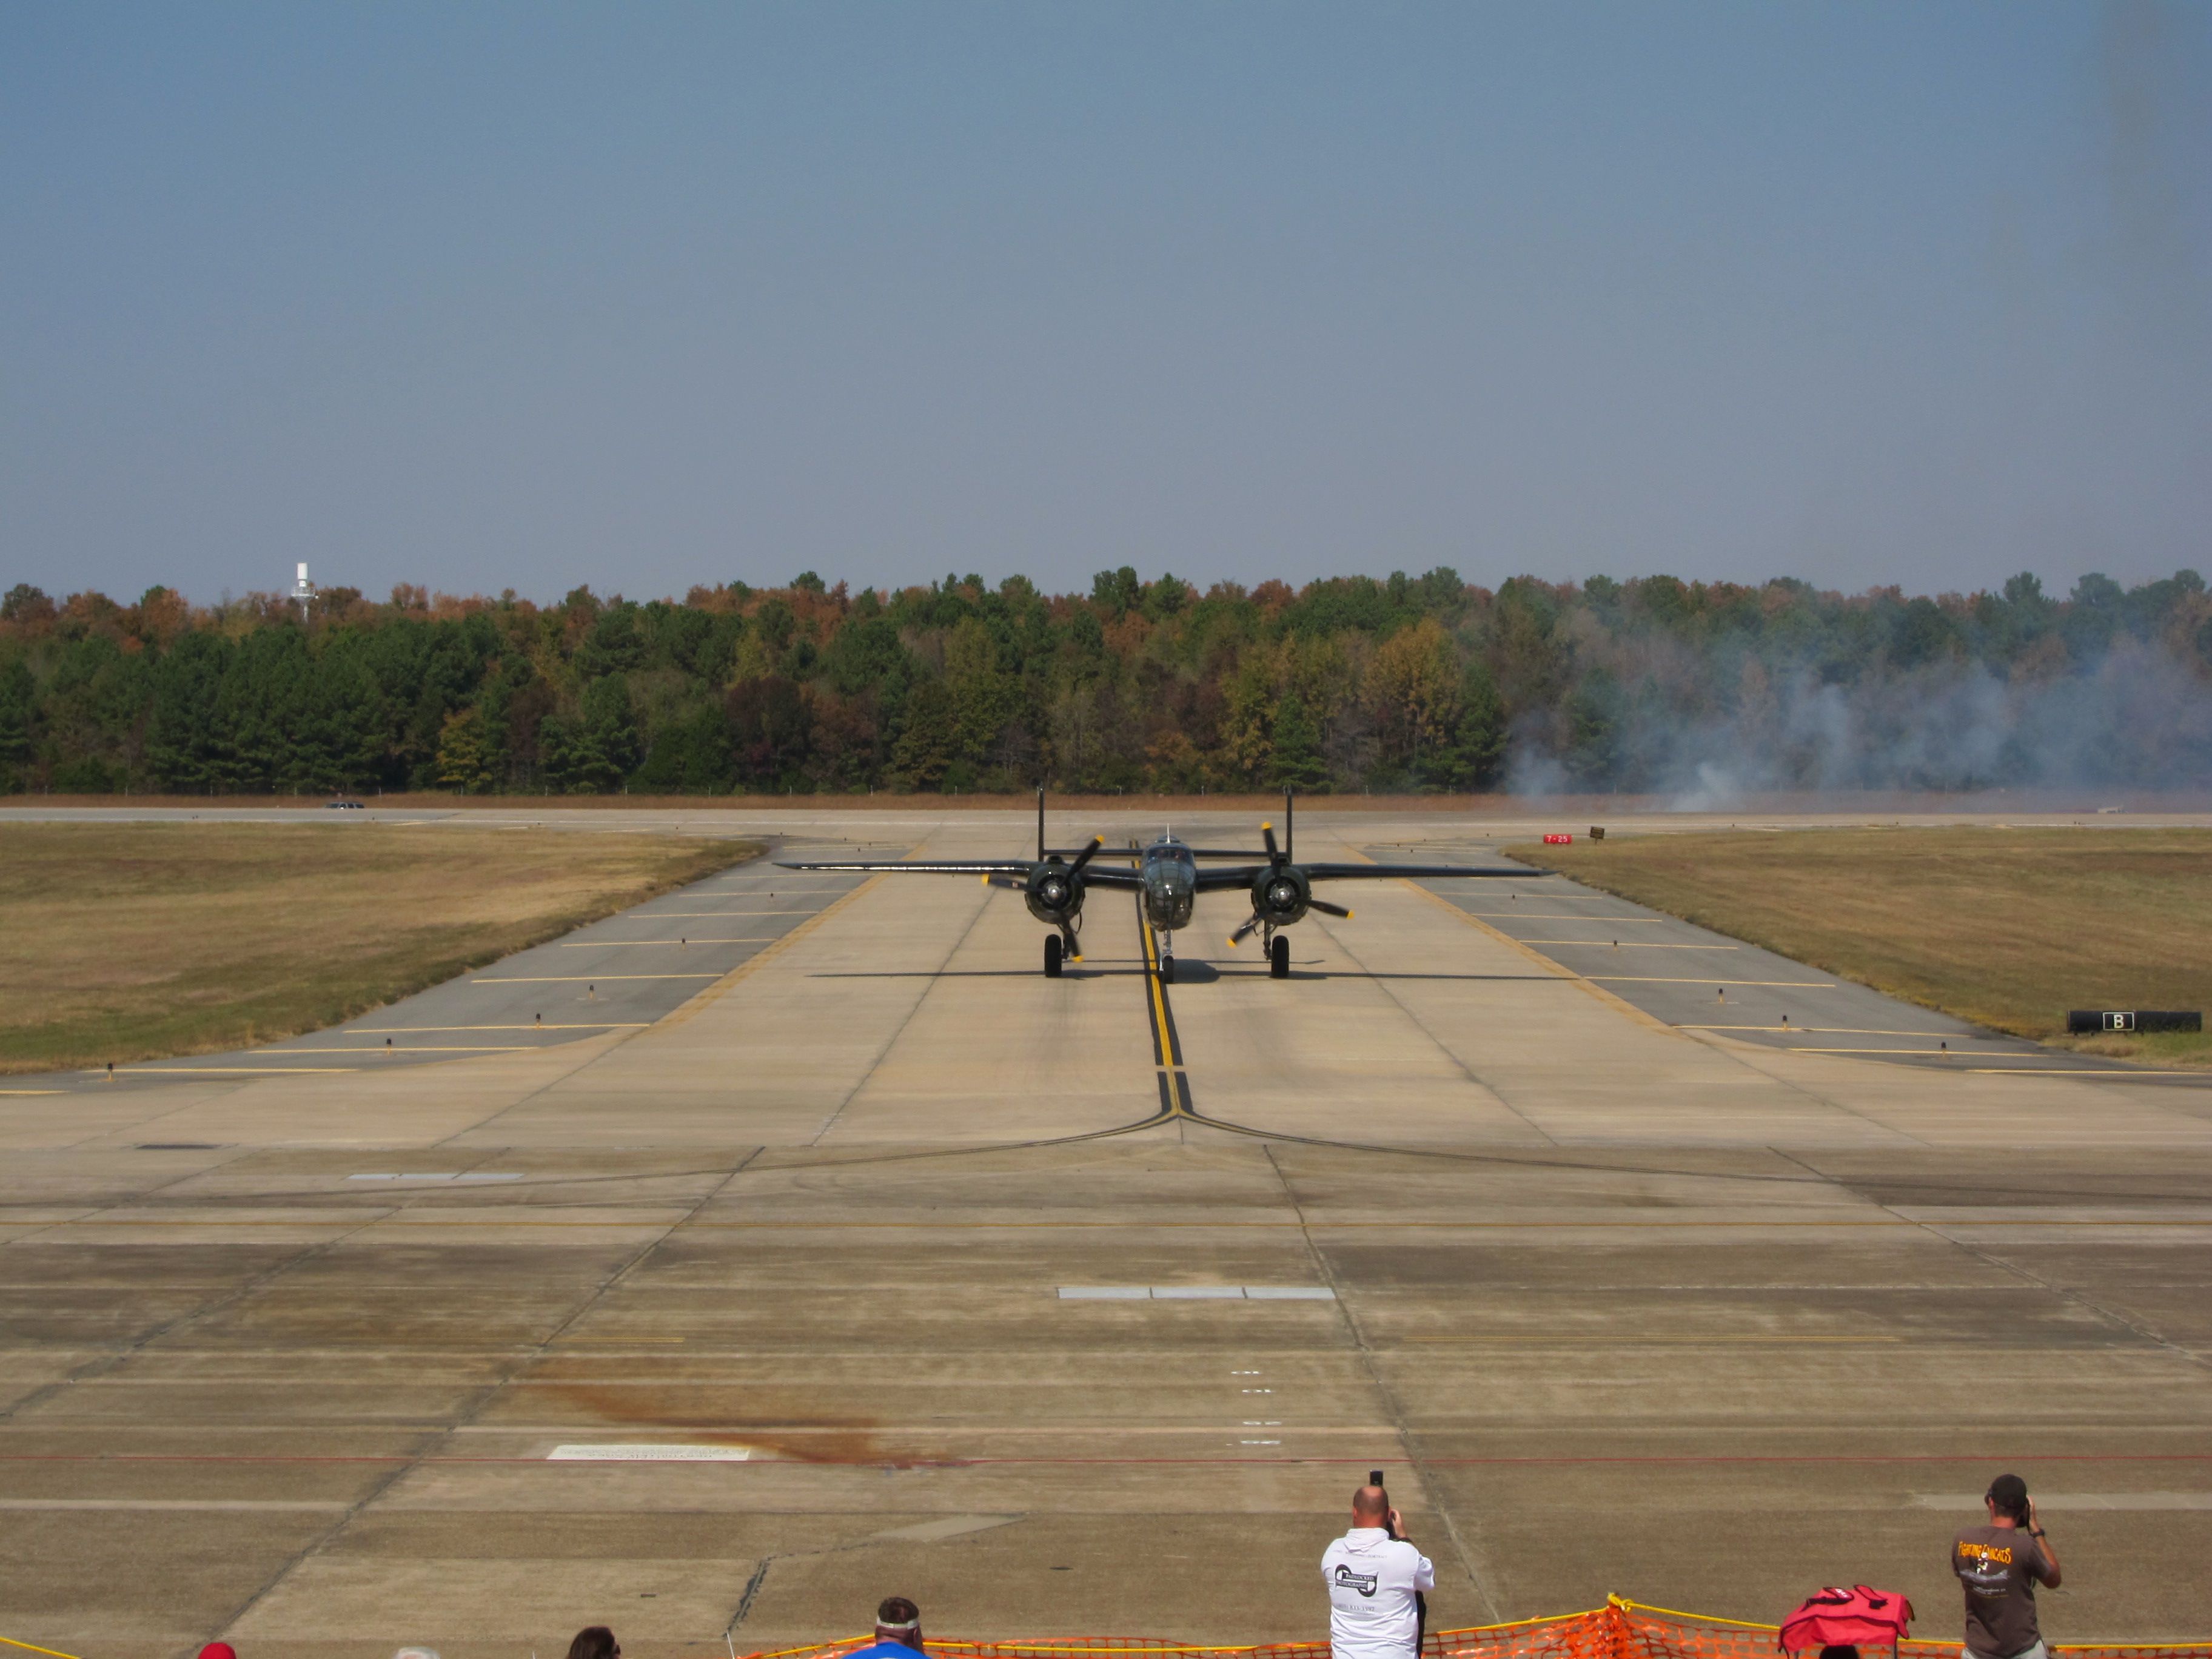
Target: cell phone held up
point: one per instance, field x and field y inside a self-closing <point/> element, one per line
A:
<point x="1375" y="1479"/>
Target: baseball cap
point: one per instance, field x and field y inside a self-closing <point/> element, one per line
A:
<point x="218" y="1651"/>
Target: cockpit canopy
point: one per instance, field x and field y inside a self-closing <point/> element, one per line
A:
<point x="1171" y="853"/>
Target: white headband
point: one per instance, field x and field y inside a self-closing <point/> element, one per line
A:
<point x="911" y="1623"/>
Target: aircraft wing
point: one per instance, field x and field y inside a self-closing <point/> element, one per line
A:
<point x="1422" y="872"/>
<point x="1222" y="879"/>
<point x="1225" y="877"/>
<point x="1092" y="875"/>
<point x="922" y="866"/>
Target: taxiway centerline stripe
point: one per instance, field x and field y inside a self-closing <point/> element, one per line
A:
<point x="578" y="979"/>
<point x="1167" y="1049"/>
<point x="702" y="915"/>
<point x="33" y="1647"/>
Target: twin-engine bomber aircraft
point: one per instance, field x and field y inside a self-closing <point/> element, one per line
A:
<point x="1168" y="879"/>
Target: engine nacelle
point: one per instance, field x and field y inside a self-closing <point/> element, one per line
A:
<point x="1280" y="895"/>
<point x="1053" y="893"/>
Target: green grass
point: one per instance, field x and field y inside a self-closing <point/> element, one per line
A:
<point x="124" y="942"/>
<point x="2008" y="928"/>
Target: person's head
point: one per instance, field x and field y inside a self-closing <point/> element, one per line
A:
<point x="2007" y="1499"/>
<point x="898" y="1620"/>
<point x="1370" y="1507"/>
<point x="595" y="1641"/>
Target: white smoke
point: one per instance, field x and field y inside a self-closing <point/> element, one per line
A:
<point x="2141" y="718"/>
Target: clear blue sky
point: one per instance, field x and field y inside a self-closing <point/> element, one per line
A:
<point x="484" y="296"/>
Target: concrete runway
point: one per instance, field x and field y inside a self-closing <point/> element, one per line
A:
<point x="919" y="1272"/>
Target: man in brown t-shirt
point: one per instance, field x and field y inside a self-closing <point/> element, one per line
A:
<point x="2000" y="1566"/>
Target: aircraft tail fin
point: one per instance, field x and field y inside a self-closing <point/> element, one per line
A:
<point x="1039" y="824"/>
<point x="1290" y="826"/>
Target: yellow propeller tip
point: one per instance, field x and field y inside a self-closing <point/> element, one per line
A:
<point x="1266" y="826"/>
<point x="1232" y="944"/>
<point x="1348" y="914"/>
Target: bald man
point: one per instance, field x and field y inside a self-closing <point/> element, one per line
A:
<point x="1374" y="1577"/>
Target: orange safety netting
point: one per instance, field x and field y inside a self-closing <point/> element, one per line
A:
<point x="1619" y="1630"/>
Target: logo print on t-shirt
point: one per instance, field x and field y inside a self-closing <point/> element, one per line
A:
<point x="1362" y="1582"/>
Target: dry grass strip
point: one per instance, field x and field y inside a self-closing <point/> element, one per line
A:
<point x="2008" y="928"/>
<point x="124" y="942"/>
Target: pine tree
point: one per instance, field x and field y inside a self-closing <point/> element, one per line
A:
<point x="1296" y="759"/>
<point x="464" y="755"/>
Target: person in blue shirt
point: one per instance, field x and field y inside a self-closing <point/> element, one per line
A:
<point x="898" y="1632"/>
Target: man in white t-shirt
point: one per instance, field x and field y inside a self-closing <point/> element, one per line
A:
<point x="1373" y="1576"/>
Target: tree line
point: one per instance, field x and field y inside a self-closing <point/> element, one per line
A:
<point x="1420" y="684"/>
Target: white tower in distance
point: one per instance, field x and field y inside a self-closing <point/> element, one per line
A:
<point x="302" y="591"/>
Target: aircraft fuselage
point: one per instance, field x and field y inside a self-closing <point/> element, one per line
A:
<point x="1170" y="873"/>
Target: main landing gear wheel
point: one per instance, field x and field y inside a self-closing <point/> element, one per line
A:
<point x="1052" y="955"/>
<point x="1279" y="958"/>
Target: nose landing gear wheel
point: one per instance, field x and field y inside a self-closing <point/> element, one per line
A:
<point x="1167" y="971"/>
<point x="1052" y="953"/>
<point x="1279" y="959"/>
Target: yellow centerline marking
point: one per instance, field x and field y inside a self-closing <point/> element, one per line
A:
<point x="697" y="916"/>
<point x="1163" y="1033"/>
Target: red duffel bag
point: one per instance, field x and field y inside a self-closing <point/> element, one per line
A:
<point x="1861" y="1617"/>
